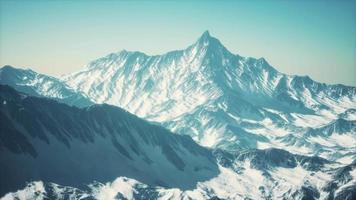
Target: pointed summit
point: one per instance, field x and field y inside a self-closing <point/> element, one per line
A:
<point x="207" y="40"/>
<point x="205" y="37"/>
<point x="207" y="43"/>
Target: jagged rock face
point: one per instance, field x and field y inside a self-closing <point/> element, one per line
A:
<point x="222" y="99"/>
<point x="45" y="140"/>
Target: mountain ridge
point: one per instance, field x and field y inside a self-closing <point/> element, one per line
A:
<point x="42" y="139"/>
<point x="208" y="92"/>
<point x="218" y="98"/>
<point x="36" y="84"/>
<point x="120" y="139"/>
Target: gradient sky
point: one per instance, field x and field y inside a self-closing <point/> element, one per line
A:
<point x="315" y="38"/>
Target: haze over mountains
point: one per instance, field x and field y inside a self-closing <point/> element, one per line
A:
<point x="238" y="107"/>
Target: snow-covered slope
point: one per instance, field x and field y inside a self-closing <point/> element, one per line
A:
<point x="222" y="99"/>
<point x="33" y="83"/>
<point x="242" y="176"/>
<point x="41" y="139"/>
<point x="104" y="152"/>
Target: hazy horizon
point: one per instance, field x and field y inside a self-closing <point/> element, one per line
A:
<point x="315" y="38"/>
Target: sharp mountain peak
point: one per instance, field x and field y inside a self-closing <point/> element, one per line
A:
<point x="204" y="41"/>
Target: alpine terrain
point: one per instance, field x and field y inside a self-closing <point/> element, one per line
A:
<point x="205" y="124"/>
<point x="227" y="101"/>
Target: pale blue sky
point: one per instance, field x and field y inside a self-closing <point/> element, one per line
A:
<point x="315" y="38"/>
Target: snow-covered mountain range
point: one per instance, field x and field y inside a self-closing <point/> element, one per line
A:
<point x="288" y="183"/>
<point x="104" y="152"/>
<point x="240" y="108"/>
<point x="42" y="139"/>
<point x="224" y="100"/>
<point x="35" y="84"/>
